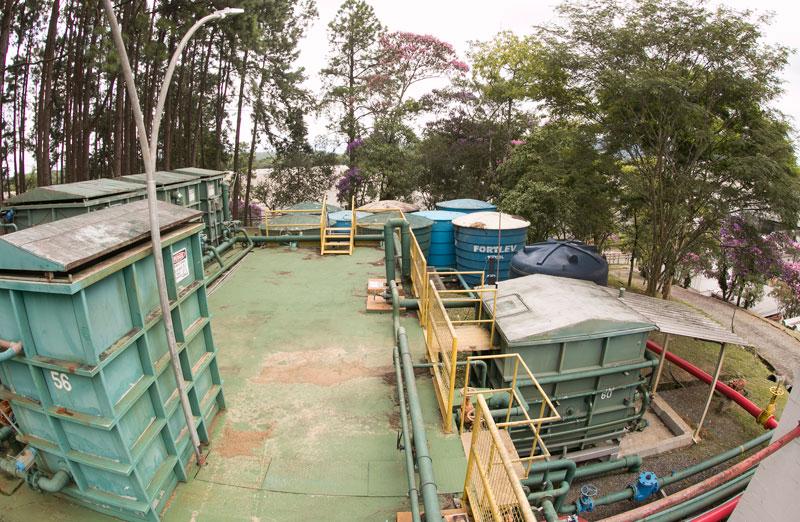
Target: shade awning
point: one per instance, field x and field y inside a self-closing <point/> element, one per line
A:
<point x="676" y="318"/>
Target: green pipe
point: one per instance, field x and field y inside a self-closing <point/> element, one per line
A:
<point x="11" y="349"/>
<point x="35" y="479"/>
<point x="249" y="246"/>
<point x="12" y="226"/>
<point x="413" y="493"/>
<point x="479" y="363"/>
<point x="211" y="253"/>
<point x="294" y="238"/>
<point x="226" y="208"/>
<point x="537" y="497"/>
<point x="631" y="463"/>
<point x="677" y="476"/>
<point x="560" y="494"/>
<point x="388" y="244"/>
<point x="598" y="372"/>
<point x="549" y="512"/>
<point x="430" y="495"/>
<point x="705" y="500"/>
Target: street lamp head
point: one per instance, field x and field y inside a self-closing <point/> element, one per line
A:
<point x="229" y="11"/>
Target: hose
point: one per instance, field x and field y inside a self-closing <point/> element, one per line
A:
<point x="10" y="349"/>
<point x="749" y="406"/>
<point x="720" y="512"/>
<point x="36" y="479"/>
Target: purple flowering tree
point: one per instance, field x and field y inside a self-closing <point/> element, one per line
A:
<point x="746" y="260"/>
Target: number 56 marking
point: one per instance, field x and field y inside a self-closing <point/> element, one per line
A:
<point x="61" y="381"/>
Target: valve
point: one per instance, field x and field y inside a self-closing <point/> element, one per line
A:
<point x="646" y="485"/>
<point x="586" y="500"/>
<point x="24" y="461"/>
<point x="769" y="411"/>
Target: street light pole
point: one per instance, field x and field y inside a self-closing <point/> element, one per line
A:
<point x="149" y="156"/>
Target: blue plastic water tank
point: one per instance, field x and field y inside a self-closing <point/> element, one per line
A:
<point x="466" y="206"/>
<point x="476" y="239"/>
<point x="443" y="250"/>
<point x="344" y="218"/>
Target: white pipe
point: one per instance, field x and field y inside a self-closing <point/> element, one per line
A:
<point x="149" y="154"/>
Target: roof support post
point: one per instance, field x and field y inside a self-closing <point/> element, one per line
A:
<point x="661" y="360"/>
<point x="722" y="347"/>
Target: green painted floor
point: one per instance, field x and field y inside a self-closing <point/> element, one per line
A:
<point x="311" y="424"/>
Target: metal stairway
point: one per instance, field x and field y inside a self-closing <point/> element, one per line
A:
<point x="337" y="240"/>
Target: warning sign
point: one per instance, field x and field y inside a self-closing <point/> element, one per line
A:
<point x="180" y="265"/>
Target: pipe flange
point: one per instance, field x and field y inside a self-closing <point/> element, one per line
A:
<point x="32" y="478"/>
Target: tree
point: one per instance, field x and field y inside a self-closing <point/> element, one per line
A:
<point x="682" y="95"/>
<point x="352" y="40"/>
<point x="561" y="183"/>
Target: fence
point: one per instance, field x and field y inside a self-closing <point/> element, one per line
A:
<point x="492" y="490"/>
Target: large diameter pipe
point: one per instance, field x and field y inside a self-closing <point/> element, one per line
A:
<point x="430" y="494"/>
<point x="749" y="406"/>
<point x="226" y="197"/>
<point x="413" y="493"/>
<point x="53" y="484"/>
<point x="388" y="244"/>
<point x="719" y="513"/>
<point x="299" y="238"/>
<point x="722" y="492"/>
<point x="630" y="463"/>
<point x="707" y="484"/>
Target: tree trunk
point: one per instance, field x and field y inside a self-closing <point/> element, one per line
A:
<point x="634" y="249"/>
<point x="43" y="172"/>
<point x="236" y="180"/>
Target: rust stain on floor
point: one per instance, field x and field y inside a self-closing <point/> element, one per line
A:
<point x="236" y="443"/>
<point x="306" y="373"/>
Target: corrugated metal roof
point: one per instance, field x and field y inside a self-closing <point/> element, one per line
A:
<point x="64" y="245"/>
<point x="203" y="173"/>
<point x="541" y="308"/>
<point x="78" y="191"/>
<point x="677" y="319"/>
<point x="162" y="178"/>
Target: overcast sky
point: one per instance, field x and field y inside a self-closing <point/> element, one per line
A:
<point x="461" y="21"/>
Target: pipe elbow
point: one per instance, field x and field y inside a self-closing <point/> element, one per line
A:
<point x="12" y="349"/>
<point x="53" y="484"/>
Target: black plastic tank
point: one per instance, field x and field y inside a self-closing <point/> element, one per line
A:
<point x="573" y="259"/>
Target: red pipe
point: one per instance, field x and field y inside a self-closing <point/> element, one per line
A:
<point x="720" y="512"/>
<point x="706" y="485"/>
<point x="748" y="405"/>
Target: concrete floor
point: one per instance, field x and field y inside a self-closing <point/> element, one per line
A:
<point x="312" y="419"/>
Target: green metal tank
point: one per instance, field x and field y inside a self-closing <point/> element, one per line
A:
<point x="421" y="226"/>
<point x="173" y="187"/>
<point x="47" y="204"/>
<point x="211" y="202"/>
<point x="585" y="347"/>
<point x="93" y="390"/>
<point x="294" y="224"/>
<point x="314" y="205"/>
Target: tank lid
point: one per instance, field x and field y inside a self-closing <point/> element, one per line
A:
<point x="347" y="215"/>
<point x="78" y="191"/>
<point x="439" y="215"/>
<point x="390" y="204"/>
<point x="68" y="244"/>
<point x="313" y="205"/>
<point x="162" y="178"/>
<point x="491" y="221"/>
<point x="203" y="173"/>
<point x="537" y="309"/>
<point x="376" y="221"/>
<point x="467" y="204"/>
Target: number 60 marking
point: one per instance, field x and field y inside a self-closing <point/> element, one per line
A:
<point x="607" y="393"/>
<point x="61" y="381"/>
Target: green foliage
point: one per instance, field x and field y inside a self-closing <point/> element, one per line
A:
<point x="296" y="176"/>
<point x="681" y="94"/>
<point x="562" y="184"/>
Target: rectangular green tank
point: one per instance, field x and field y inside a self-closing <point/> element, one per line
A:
<point x="174" y="187"/>
<point x="210" y="200"/>
<point x="47" y="204"/>
<point x="585" y="347"/>
<point x="94" y="391"/>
